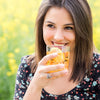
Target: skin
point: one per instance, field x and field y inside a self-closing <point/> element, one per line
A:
<point x="58" y="29"/>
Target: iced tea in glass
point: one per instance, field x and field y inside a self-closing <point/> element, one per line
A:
<point x="62" y="57"/>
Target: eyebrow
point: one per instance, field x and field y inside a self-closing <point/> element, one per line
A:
<point x="54" y="23"/>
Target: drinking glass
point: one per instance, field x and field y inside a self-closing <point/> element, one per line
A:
<point x="63" y="54"/>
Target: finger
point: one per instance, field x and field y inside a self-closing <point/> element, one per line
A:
<point x="48" y="68"/>
<point x="46" y="58"/>
<point x="44" y="76"/>
<point x="53" y="75"/>
<point x="54" y="67"/>
<point x="59" y="73"/>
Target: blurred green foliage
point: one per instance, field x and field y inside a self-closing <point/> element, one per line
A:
<point x="17" y="19"/>
<point x="17" y="37"/>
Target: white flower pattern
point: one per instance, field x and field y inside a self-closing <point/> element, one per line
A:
<point x="87" y="89"/>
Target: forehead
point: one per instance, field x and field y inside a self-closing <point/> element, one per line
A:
<point x="58" y="14"/>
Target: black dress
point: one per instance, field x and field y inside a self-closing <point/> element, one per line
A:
<point x="87" y="89"/>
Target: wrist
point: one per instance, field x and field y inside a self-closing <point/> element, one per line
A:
<point x="35" y="85"/>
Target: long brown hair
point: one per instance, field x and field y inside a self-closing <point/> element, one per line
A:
<point x="81" y="15"/>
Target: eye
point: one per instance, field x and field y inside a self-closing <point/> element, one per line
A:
<point x="50" y="26"/>
<point x="68" y="28"/>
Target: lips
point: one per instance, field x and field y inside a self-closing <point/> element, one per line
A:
<point x="60" y="44"/>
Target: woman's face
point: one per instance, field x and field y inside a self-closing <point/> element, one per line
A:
<point x="58" y="28"/>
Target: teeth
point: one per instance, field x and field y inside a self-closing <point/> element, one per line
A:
<point x="59" y="44"/>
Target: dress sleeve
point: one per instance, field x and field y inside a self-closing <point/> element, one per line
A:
<point x="96" y="75"/>
<point x="98" y="80"/>
<point x="20" y="85"/>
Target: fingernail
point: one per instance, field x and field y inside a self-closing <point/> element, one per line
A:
<point x="62" y="65"/>
<point x="65" y="71"/>
<point x="55" y="54"/>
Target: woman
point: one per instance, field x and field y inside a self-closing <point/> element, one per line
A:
<point x="68" y="23"/>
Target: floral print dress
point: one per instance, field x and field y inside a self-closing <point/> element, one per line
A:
<point x="87" y="89"/>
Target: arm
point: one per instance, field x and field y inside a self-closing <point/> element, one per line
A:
<point x="96" y="76"/>
<point x="39" y="80"/>
<point x="33" y="92"/>
<point x="20" y="85"/>
<point x="21" y="90"/>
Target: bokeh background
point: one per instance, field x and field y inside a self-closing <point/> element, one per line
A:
<point x="17" y="37"/>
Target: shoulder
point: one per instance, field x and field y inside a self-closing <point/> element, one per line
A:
<point x="96" y="56"/>
<point x="24" y="69"/>
<point x="23" y="78"/>
<point x="27" y="61"/>
<point x="95" y="70"/>
<point x="96" y="60"/>
<point x="24" y="64"/>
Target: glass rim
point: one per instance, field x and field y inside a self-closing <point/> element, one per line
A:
<point x="63" y="48"/>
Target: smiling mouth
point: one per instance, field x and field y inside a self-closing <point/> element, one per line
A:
<point x="60" y="44"/>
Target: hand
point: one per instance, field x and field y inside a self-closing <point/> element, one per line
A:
<point x="40" y="78"/>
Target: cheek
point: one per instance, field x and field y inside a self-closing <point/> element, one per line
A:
<point x="47" y="36"/>
<point x="73" y="39"/>
<point x="70" y="36"/>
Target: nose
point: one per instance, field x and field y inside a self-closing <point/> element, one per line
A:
<point x="58" y="35"/>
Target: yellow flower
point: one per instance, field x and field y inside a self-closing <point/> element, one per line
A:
<point x="13" y="70"/>
<point x="11" y="55"/>
<point x="4" y="26"/>
<point x="11" y="27"/>
<point x="17" y="21"/>
<point x="5" y="35"/>
<point x="12" y="66"/>
<point x="11" y="61"/>
<point x="97" y="30"/>
<point x="9" y="73"/>
<point x="97" y="4"/>
<point x="24" y="28"/>
<point x="17" y="50"/>
<point x="3" y="44"/>
<point x="31" y="48"/>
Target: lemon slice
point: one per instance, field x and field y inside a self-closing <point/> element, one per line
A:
<point x="59" y="58"/>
